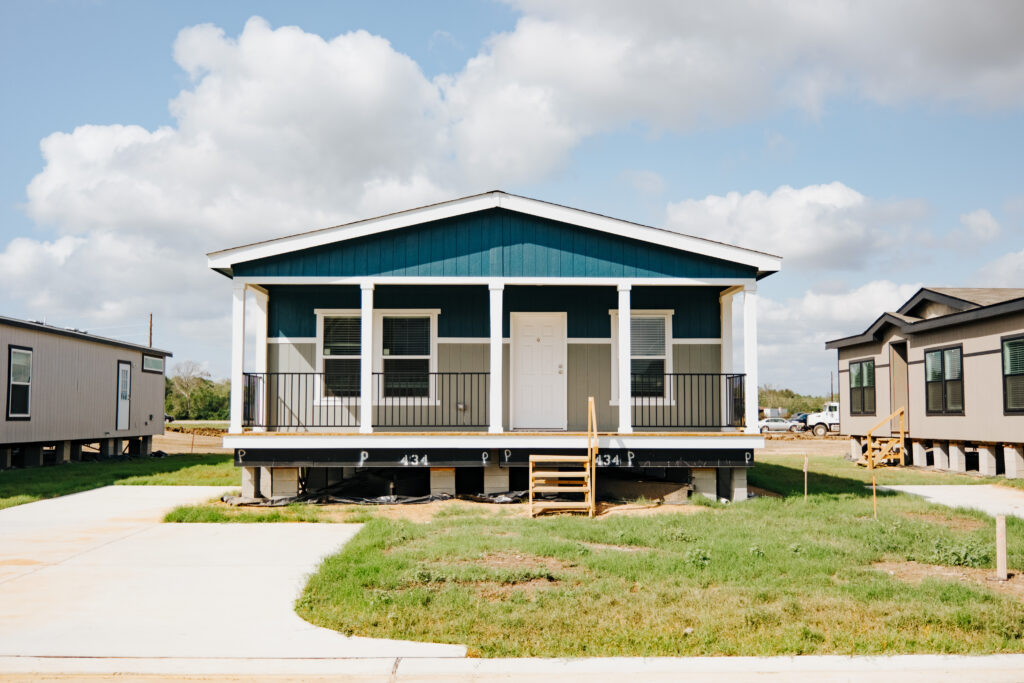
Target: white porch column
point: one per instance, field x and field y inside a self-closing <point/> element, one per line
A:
<point x="259" y="324"/>
<point x="237" y="355"/>
<point x="725" y="304"/>
<point x="625" y="375"/>
<point x="366" y="359"/>
<point x="750" y="356"/>
<point x="497" y="291"/>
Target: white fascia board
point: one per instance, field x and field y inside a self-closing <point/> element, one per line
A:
<point x="227" y="258"/>
<point x="485" y="441"/>
<point x="487" y="281"/>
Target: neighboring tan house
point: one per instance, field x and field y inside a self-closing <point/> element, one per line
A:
<point x="65" y="389"/>
<point x="461" y="337"/>
<point x="954" y="359"/>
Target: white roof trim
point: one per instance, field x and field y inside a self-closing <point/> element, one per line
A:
<point x="225" y="259"/>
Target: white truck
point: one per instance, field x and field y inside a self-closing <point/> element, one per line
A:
<point x="825" y="421"/>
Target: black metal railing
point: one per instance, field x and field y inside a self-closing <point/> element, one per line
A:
<point x="688" y="400"/>
<point x="302" y="400"/>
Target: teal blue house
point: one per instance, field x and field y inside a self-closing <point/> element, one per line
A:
<point x="469" y="334"/>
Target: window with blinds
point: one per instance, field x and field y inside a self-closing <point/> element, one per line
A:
<point x="647" y="356"/>
<point x="944" y="382"/>
<point x="862" y="387"/>
<point x="1013" y="375"/>
<point x="19" y="383"/>
<point x="406" y="357"/>
<point x="340" y="349"/>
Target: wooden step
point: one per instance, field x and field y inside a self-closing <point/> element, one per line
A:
<point x="560" y="458"/>
<point x="561" y="489"/>
<point x="561" y="505"/>
<point x="555" y="474"/>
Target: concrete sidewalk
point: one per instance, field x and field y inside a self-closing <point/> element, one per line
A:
<point x="904" y="669"/>
<point x="988" y="498"/>
<point x="97" y="575"/>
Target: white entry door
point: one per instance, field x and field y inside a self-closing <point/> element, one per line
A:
<point x="124" y="395"/>
<point x="539" y="371"/>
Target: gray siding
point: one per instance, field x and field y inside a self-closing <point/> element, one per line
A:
<point x="74" y="390"/>
<point x="983" y="419"/>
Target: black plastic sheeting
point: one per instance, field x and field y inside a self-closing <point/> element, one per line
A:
<point x="330" y="499"/>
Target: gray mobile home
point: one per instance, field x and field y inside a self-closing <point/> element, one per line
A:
<point x="65" y="389"/>
<point x="469" y="335"/>
<point x="953" y="359"/>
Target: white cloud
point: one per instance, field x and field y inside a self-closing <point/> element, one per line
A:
<point x="818" y="226"/>
<point x="1005" y="271"/>
<point x="792" y="333"/>
<point x="980" y="226"/>
<point x="646" y="183"/>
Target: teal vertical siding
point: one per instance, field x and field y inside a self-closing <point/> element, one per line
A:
<point x="493" y="243"/>
<point x="465" y="309"/>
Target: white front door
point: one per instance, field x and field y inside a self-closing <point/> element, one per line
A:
<point x="124" y="395"/>
<point x="539" y="371"/>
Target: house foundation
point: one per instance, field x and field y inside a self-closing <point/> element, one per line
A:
<point x="1013" y="460"/>
<point x="957" y="458"/>
<point x="919" y="454"/>
<point x="279" y="482"/>
<point x="250" y="482"/>
<point x="442" y="480"/>
<point x="940" y="455"/>
<point x="987" y="461"/>
<point x="739" y="484"/>
<point x="705" y="482"/>
<point x="495" y="478"/>
<point x="855" y="448"/>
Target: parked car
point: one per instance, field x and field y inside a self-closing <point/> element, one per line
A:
<point x="799" y="417"/>
<point x="168" y="417"/>
<point x="778" y="424"/>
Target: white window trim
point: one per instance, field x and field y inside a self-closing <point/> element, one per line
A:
<point x="318" y="391"/>
<point x="640" y="313"/>
<point x="163" y="363"/>
<point x="11" y="383"/>
<point x="378" y="352"/>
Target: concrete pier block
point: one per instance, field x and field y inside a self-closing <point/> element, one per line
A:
<point x="1013" y="460"/>
<point x="146" y="446"/>
<point x="279" y="482"/>
<point x="957" y="458"/>
<point x="33" y="456"/>
<point x="705" y="482"/>
<point x="920" y="457"/>
<point x="940" y="455"/>
<point x="64" y="452"/>
<point x="442" y="480"/>
<point x="987" y="461"/>
<point x="495" y="478"/>
<point x="250" y="482"/>
<point x="5" y="457"/>
<point x="739" y="484"/>
<point x="110" y="448"/>
<point x="855" y="448"/>
<point x="76" y="451"/>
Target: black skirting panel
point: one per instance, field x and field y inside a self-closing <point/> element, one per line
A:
<point x="466" y="457"/>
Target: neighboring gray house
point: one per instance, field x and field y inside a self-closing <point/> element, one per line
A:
<point x="954" y="359"/>
<point x="460" y="338"/>
<point x="64" y="389"/>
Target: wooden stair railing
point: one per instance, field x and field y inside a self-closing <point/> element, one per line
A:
<point x="567" y="474"/>
<point x="882" y="449"/>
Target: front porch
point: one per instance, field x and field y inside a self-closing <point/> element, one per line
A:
<point x="383" y="371"/>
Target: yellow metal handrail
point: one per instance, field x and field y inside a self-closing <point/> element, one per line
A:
<point x="592" y="452"/>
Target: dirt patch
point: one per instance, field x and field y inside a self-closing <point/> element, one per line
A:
<point x="805" y="444"/>
<point x="175" y="443"/>
<point x="496" y="592"/>
<point x="638" y="510"/>
<point x="958" y="523"/>
<point x="914" y="572"/>
<point x="520" y="561"/>
<point x="764" y="493"/>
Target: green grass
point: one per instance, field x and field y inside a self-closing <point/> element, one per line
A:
<point x="25" y="486"/>
<point x="216" y="514"/>
<point x="768" y="577"/>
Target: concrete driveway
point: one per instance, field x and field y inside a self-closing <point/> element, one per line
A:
<point x="97" y="575"/>
<point x="989" y="498"/>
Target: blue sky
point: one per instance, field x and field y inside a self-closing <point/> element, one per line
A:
<point x="822" y="136"/>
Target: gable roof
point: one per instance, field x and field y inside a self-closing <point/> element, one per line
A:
<point x="968" y="304"/>
<point x="224" y="260"/>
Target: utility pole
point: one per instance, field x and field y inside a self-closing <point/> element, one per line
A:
<point x="150" y="330"/>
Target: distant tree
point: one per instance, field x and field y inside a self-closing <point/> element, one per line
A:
<point x="187" y="378"/>
<point x="790" y="401"/>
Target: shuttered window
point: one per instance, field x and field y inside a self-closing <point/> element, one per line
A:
<point x="862" y="387"/>
<point x="406" y="356"/>
<point x="19" y="383"/>
<point x="1013" y="375"/>
<point x="340" y="349"/>
<point x="944" y="381"/>
<point x="647" y="356"/>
